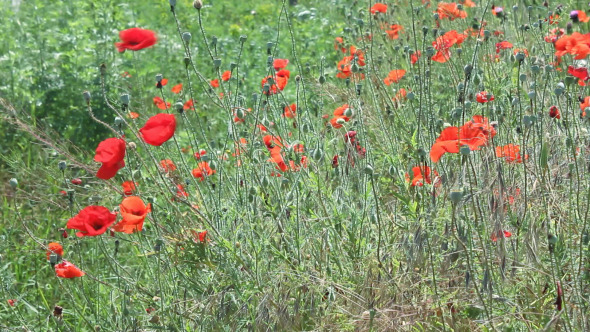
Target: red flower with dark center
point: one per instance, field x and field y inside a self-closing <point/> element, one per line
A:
<point x="68" y="270"/>
<point x="135" y="39"/>
<point x="92" y="221"/>
<point x="111" y="153"/>
<point x="55" y="248"/>
<point x="133" y="210"/>
<point x="158" y="129"/>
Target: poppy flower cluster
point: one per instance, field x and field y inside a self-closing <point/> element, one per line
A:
<point x="63" y="269"/>
<point x="451" y="11"/>
<point x="203" y="170"/>
<point x="275" y="146"/>
<point x="443" y="44"/>
<point x="475" y="133"/>
<point x="576" y="44"/>
<point x="356" y="57"/>
<point x="340" y="116"/>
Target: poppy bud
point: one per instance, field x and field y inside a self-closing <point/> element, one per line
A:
<point x="186" y="36"/>
<point x="13" y="183"/>
<point x="159" y="78"/>
<point x="359" y="88"/>
<point x="348" y="112"/>
<point x="424" y="30"/>
<point x="53" y="259"/>
<point x="86" y="95"/>
<point x="198" y="4"/>
<point x="522" y="77"/>
<point x="435" y="16"/>
<point x="243" y="38"/>
<point x="125" y="99"/>
<point x="118" y="121"/>
<point x="552" y="239"/>
<point x="269" y="46"/>
<point x="532" y="94"/>
<point x="317" y="154"/>
<point x="519" y="56"/>
<point x="322" y="79"/>
<point x="179" y="107"/>
<point x="368" y="170"/>
<point x="569" y="28"/>
<point x="62" y="165"/>
<point x="410" y="96"/>
<point x="569" y="80"/>
<point x="132" y="145"/>
<point x="456" y="196"/>
<point x="465" y="150"/>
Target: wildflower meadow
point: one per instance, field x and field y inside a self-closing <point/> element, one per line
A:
<point x="295" y="165"/>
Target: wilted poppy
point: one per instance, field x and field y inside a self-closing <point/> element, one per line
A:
<point x="92" y="221"/>
<point x="55" y="248"/>
<point x="203" y="169"/>
<point x="500" y="234"/>
<point x="133" y="210"/>
<point x="111" y="153"/>
<point x="158" y="129"/>
<point x="135" y="39"/>
<point x="443" y="44"/>
<point x="199" y="236"/>
<point x="68" y="270"/>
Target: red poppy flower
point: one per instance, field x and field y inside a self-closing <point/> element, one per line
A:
<point x="575" y="44"/>
<point x="279" y="64"/>
<point x="450" y="11"/>
<point x="226" y="75"/>
<point x="415" y="56"/>
<point x="180" y="191"/>
<point x="290" y="111"/>
<point x="214" y="83"/>
<point x="379" y="8"/>
<point x="339" y="44"/>
<point x="503" y="46"/>
<point x="280" y="81"/>
<point x="55" y="248"/>
<point x="133" y="210"/>
<point x="579" y="16"/>
<point x="200" y="237"/>
<point x="203" y="169"/>
<point x="394" y="31"/>
<point x="135" y="39"/>
<point x="167" y="165"/>
<point x="68" y="270"/>
<point x="482" y="97"/>
<point x="274" y="146"/>
<point x="394" y="76"/>
<point x="475" y="133"/>
<point x="128" y="187"/>
<point x="422" y="174"/>
<point x="189" y="105"/>
<point x="448" y="141"/>
<point x="443" y="44"/>
<point x="200" y="154"/>
<point x="501" y="234"/>
<point x="580" y="73"/>
<point x="583" y="105"/>
<point x="76" y="181"/>
<point x="510" y="153"/>
<point x="11" y="302"/>
<point x="161" y="83"/>
<point x="161" y="104"/>
<point x="133" y="115"/>
<point x="92" y="221"/>
<point x="158" y="129"/>
<point x="111" y="153"/>
<point x="554" y="112"/>
<point x="177" y="88"/>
